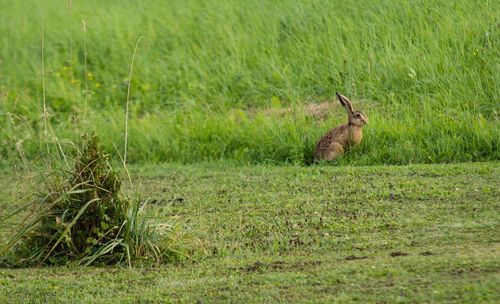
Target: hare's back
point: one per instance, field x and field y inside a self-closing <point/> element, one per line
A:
<point x="334" y="135"/>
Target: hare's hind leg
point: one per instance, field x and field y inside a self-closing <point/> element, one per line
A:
<point x="334" y="151"/>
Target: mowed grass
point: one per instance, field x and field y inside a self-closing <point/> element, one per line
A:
<point x="418" y="233"/>
<point x="207" y="72"/>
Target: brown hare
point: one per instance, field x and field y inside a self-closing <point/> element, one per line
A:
<point x="341" y="138"/>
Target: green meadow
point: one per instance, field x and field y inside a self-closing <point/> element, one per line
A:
<point x="218" y="105"/>
<point x="224" y="80"/>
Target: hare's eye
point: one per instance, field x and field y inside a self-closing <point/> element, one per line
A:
<point x="358" y="115"/>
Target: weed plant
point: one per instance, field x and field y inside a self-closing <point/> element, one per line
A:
<point x="81" y="217"/>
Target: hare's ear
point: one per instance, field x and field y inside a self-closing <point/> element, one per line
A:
<point x="345" y="102"/>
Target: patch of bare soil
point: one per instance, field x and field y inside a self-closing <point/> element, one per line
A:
<point x="353" y="257"/>
<point x="319" y="111"/>
<point x="398" y="254"/>
<point x="259" y="266"/>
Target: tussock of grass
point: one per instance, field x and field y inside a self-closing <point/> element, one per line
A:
<point x="82" y="217"/>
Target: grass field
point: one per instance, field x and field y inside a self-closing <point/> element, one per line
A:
<point x="224" y="101"/>
<point x="228" y="80"/>
<point x="419" y="233"/>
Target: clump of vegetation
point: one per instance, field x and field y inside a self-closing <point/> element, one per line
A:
<point x="82" y="217"/>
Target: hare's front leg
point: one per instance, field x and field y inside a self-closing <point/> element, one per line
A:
<point x="334" y="151"/>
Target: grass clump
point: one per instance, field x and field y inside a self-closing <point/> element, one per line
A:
<point x="82" y="217"/>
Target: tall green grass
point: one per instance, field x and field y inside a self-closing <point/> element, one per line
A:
<point x="427" y="73"/>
